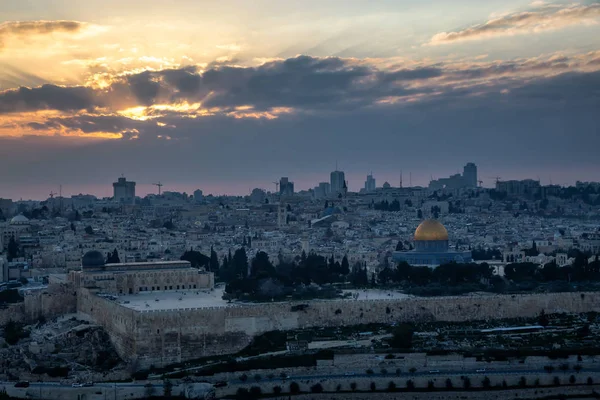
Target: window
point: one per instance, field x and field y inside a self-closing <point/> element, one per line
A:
<point x="194" y="286"/>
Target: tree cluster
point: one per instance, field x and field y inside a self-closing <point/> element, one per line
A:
<point x="113" y="258"/>
<point x="259" y="279"/>
<point x="486" y="254"/>
<point x="384" y="205"/>
<point x="580" y="271"/>
<point x="445" y="274"/>
<point x="197" y="259"/>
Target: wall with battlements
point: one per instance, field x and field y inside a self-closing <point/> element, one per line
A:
<point x="170" y="336"/>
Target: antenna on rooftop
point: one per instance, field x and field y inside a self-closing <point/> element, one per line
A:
<point x="61" y="198"/>
<point x="160" y="185"/>
<point x="400" y="179"/>
<point x="276" y="186"/>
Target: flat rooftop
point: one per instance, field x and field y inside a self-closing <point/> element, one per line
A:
<point x="179" y="299"/>
<point x="377" y="294"/>
<point x="205" y="298"/>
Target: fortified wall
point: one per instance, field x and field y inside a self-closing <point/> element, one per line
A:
<point x="164" y="337"/>
<point x="50" y="302"/>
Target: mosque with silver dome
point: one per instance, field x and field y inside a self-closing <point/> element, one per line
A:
<point x="431" y="247"/>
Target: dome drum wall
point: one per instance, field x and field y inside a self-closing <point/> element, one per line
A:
<point x="431" y="246"/>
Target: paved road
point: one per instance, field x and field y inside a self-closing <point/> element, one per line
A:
<point x="441" y="373"/>
<point x="347" y="375"/>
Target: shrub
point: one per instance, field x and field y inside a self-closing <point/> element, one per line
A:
<point x="294" y="388"/>
<point x="373" y="387"/>
<point x="466" y="382"/>
<point x="572" y="379"/>
<point x="504" y="384"/>
<point x="412" y="370"/>
<point x="486" y="383"/>
<point x="398" y="371"/>
<point x="556" y="381"/>
<point x="353" y="386"/>
<point x="430" y="385"/>
<point x="338" y="388"/>
<point x="449" y="383"/>
<point x="255" y="391"/>
<point x="590" y="381"/>
<point x="370" y="371"/>
<point x="577" y="368"/>
<point x="548" y="368"/>
<point x="383" y="371"/>
<point x="257" y="377"/>
<point x="410" y="385"/>
<point x="276" y="389"/>
<point x="391" y="387"/>
<point x="536" y="382"/>
<point x="390" y="357"/>
<point x="564" y="367"/>
<point x="523" y="382"/>
<point x="242" y="393"/>
<point x="316" y="388"/>
<point x="13" y="332"/>
<point x="243" y="378"/>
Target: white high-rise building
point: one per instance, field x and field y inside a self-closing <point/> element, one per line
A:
<point x="370" y="183"/>
<point x="124" y="191"/>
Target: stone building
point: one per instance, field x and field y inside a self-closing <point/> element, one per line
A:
<point x="431" y="247"/>
<point x="132" y="278"/>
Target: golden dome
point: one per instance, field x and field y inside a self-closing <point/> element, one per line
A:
<point x="431" y="229"/>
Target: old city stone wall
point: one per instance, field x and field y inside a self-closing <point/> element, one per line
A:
<point x="50" y="302"/>
<point x="119" y="322"/>
<point x="170" y="336"/>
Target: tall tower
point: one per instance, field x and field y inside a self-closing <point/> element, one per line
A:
<point x="470" y="175"/>
<point x="282" y="215"/>
<point x="124" y="191"/>
<point x="337" y="179"/>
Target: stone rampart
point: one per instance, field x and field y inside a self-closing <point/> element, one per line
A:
<point x="170" y="336"/>
<point x="50" y="302"/>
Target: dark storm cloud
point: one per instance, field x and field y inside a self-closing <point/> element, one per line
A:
<point x="413" y="74"/>
<point x="302" y="83"/>
<point x="47" y="97"/>
<point x="27" y="28"/>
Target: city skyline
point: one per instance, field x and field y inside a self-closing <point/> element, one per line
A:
<point x="356" y="183"/>
<point x="221" y="95"/>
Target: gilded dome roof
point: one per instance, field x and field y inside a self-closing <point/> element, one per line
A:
<point x="431" y="229"/>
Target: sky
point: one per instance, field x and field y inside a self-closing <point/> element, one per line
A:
<point x="230" y="95"/>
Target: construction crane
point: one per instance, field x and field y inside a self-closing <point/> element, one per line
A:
<point x="160" y="185"/>
<point x="480" y="183"/>
<point x="276" y="186"/>
<point x="496" y="178"/>
<point x="52" y="194"/>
